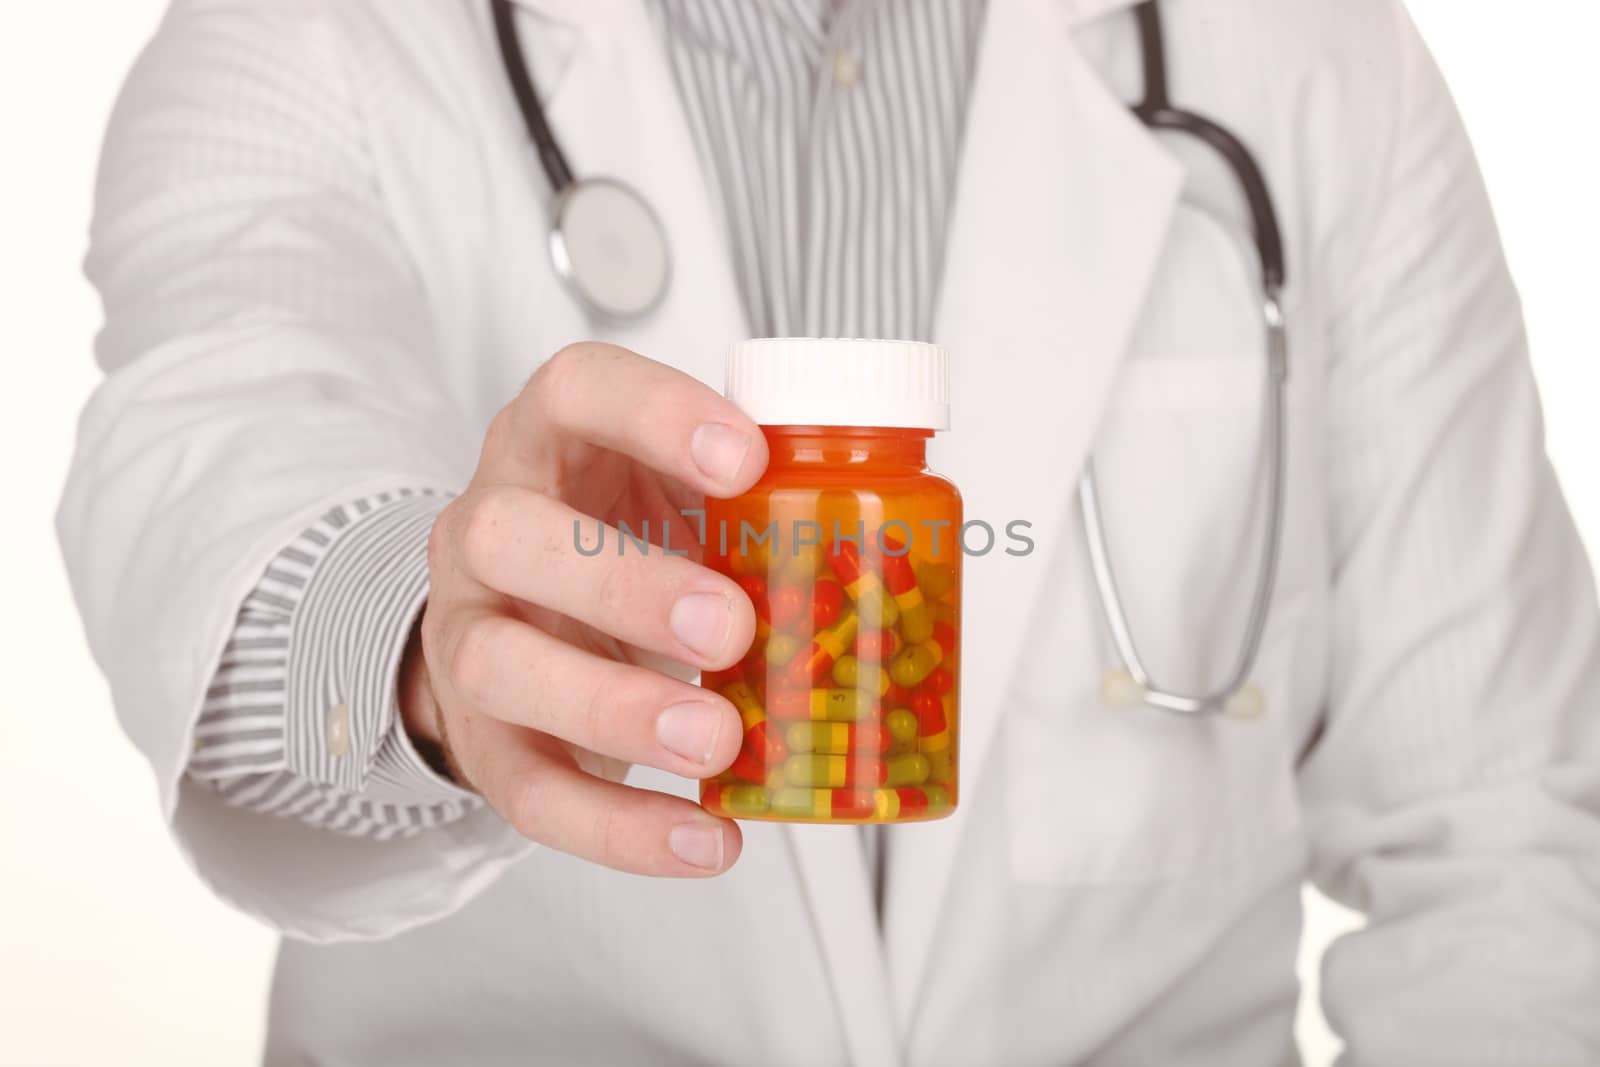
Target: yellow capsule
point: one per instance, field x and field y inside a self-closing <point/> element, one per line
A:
<point x="823" y="705"/>
<point x="877" y="608"/>
<point x="741" y="799"/>
<point x="824" y="737"/>
<point x="937" y="743"/>
<point x="847" y="672"/>
<point x="838" y="637"/>
<point x="800" y="803"/>
<point x="816" y="771"/>
<point x="914" y="663"/>
<point x="940" y="766"/>
<point x="802" y="562"/>
<point x="741" y="696"/>
<point x="938" y="798"/>
<point x="905" y="770"/>
<point x="781" y="648"/>
<point x="902" y="727"/>
<point x="936" y="579"/>
<point x="916" y="621"/>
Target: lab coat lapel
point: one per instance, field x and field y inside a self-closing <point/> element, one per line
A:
<point x="1063" y="205"/>
<point x="616" y="109"/>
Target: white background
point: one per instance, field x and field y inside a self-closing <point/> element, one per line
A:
<point x="110" y="950"/>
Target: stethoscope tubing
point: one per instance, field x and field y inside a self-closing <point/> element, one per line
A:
<point x="1156" y="111"/>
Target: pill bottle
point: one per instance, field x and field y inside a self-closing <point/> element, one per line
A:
<point x="849" y="549"/>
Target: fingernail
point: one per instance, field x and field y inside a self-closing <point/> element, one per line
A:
<point x="719" y="451"/>
<point x="690" y="729"/>
<point x="701" y="621"/>
<point x="697" y="844"/>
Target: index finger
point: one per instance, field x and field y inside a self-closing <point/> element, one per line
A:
<point x="607" y="396"/>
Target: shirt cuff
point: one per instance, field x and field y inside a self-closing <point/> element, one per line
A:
<point x="346" y="640"/>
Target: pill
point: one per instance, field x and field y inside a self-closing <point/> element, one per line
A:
<point x="744" y="698"/>
<point x="800" y="563"/>
<point x="848" y="674"/>
<point x="785" y="604"/>
<point x="929" y="710"/>
<point x="878" y="608"/>
<point x="735" y="799"/>
<point x="910" y="769"/>
<point x="751" y="767"/>
<point x="764" y="741"/>
<point x="815" y="664"/>
<point x="936" y="580"/>
<point x="828" y="771"/>
<point x="799" y="802"/>
<point x="915" y="662"/>
<point x="916" y="621"/>
<point x="898" y="696"/>
<point x="937" y="798"/>
<point x="836" y="738"/>
<point x="782" y="647"/>
<point x="940" y="681"/>
<point x="934" y="742"/>
<point x="858" y="580"/>
<point x="940" y="766"/>
<point x="827" y="599"/>
<point x="898" y="803"/>
<point x="755" y="587"/>
<point x="901" y="725"/>
<point x="822" y="705"/>
<point x="751" y="558"/>
<point x="834" y="771"/>
<point x="877" y="643"/>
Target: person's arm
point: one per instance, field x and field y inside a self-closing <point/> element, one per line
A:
<point x="267" y="349"/>
<point x="267" y="360"/>
<point x="266" y="740"/>
<point x="1454" y="794"/>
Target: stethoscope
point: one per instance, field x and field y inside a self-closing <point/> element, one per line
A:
<point x="610" y="248"/>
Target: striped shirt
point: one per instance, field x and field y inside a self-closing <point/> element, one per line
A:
<point x="830" y="131"/>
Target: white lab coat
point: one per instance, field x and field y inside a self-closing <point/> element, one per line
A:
<point x="321" y="237"/>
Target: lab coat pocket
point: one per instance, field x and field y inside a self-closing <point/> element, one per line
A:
<point x="1100" y="795"/>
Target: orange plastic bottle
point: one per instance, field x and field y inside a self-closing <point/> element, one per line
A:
<point x="849" y="549"/>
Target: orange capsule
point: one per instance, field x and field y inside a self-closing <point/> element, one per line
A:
<point x="860" y="582"/>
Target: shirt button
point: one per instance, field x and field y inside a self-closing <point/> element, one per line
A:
<point x="338" y="730"/>
<point x="846" y="68"/>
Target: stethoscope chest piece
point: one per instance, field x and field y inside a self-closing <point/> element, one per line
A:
<point x="609" y="246"/>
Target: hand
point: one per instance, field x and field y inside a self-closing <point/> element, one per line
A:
<point x="547" y="671"/>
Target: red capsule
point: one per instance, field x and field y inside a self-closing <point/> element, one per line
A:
<point x="827" y="600"/>
<point x="940" y="681"/>
<point x="929" y="709"/>
<point x="877" y="644"/>
<point x="898" y="574"/>
<point x="897" y="696"/>
<point x="755" y="587"/>
<point x="785" y="604"/>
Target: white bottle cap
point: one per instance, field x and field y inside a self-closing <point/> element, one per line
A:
<point x="817" y="381"/>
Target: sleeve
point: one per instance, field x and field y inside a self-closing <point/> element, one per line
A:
<point x="268" y="741"/>
<point x="267" y="357"/>
<point x="1454" y="793"/>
